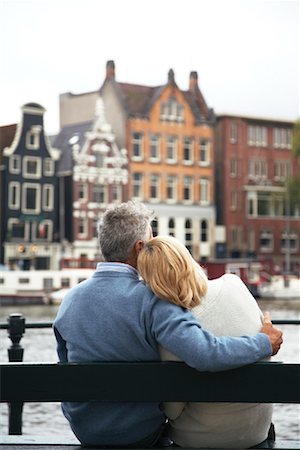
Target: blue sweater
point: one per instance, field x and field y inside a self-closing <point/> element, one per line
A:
<point x="113" y="316"/>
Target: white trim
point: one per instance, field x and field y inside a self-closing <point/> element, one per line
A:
<point x="38" y="161"/>
<point x="37" y="188"/>
<point x="14" y="184"/>
<point x="16" y="158"/>
<point x="50" y="206"/>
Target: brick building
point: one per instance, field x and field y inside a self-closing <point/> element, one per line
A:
<point x="253" y="164"/>
<point x="169" y="136"/>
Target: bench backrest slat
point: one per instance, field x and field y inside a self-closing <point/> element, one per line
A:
<point x="148" y="381"/>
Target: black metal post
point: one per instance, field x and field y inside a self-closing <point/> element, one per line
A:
<point x="16" y="329"/>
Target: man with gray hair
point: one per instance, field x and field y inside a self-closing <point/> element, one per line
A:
<point x="114" y="316"/>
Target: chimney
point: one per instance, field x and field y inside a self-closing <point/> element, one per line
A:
<point x="171" y="77"/>
<point x="193" y="81"/>
<point x="110" y="70"/>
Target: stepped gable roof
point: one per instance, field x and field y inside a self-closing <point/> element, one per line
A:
<point x="66" y="138"/>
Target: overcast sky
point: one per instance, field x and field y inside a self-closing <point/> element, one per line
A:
<point x="246" y="52"/>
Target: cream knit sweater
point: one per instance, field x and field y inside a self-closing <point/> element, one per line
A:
<point x="228" y="309"/>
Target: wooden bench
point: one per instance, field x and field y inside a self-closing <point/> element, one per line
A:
<point x="268" y="382"/>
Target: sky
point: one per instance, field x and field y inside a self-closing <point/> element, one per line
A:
<point x="246" y="52"/>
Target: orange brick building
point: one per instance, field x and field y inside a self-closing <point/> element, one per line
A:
<point x="169" y="136"/>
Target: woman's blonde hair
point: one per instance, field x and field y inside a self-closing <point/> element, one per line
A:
<point x="170" y="271"/>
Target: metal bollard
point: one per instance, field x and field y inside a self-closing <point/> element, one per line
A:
<point x="16" y="329"/>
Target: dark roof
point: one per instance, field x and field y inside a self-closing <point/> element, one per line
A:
<point x="7" y="134"/>
<point x="66" y="138"/>
<point x="138" y="100"/>
<point x="33" y="105"/>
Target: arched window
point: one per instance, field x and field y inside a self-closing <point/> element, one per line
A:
<point x="171" y="227"/>
<point x="188" y="235"/>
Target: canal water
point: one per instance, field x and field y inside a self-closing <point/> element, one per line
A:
<point x="46" y="419"/>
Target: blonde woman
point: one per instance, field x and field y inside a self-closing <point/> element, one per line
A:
<point x="225" y="307"/>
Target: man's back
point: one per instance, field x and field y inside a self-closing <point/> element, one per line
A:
<point x="105" y="319"/>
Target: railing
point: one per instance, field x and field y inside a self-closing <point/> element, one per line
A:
<point x="154" y="381"/>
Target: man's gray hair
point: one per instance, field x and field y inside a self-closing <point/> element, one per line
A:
<point x="120" y="227"/>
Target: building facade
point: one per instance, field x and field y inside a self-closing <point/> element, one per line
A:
<point x="93" y="174"/>
<point x="254" y="162"/>
<point x="29" y="222"/>
<point x="169" y="135"/>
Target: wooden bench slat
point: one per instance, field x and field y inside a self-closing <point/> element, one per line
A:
<point x="149" y="381"/>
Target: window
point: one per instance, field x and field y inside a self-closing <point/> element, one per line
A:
<point x="14" y="195"/>
<point x="48" y="167"/>
<point x="257" y="168"/>
<point x="99" y="194"/>
<point x="236" y="237"/>
<point x="203" y="231"/>
<point x="48" y="197"/>
<point x="252" y="204"/>
<point x="15" y="164"/>
<point x="82" y="226"/>
<point x="188" y="235"/>
<point x="17" y="229"/>
<point x="137" y="146"/>
<point x="44" y="230"/>
<point x="204" y="148"/>
<point x="33" y="137"/>
<point x="31" y="198"/>
<point x="171" y="149"/>
<point x="154" y="187"/>
<point x="188" y="189"/>
<point x="116" y="192"/>
<point x="266" y="241"/>
<point x="95" y="227"/>
<point x="154" y="226"/>
<point x="31" y="167"/>
<point x="233" y="167"/>
<point x="282" y="137"/>
<point x="137" y="186"/>
<point x="289" y="242"/>
<point x="99" y="160"/>
<point x="82" y="192"/>
<point x="187" y="151"/>
<point x="233" y="200"/>
<point x="171" y="188"/>
<point x="154" y="147"/>
<point x="233" y="133"/>
<point x="171" y="110"/>
<point x="171" y="227"/>
<point x="264" y="204"/>
<point x="257" y="136"/>
<point x="251" y="241"/>
<point x="282" y="170"/>
<point x="204" y="191"/>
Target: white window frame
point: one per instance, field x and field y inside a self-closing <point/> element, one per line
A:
<point x="188" y="184"/>
<point x="233" y="164"/>
<point x="49" y="228"/>
<point x="38" y="161"/>
<point x="155" y="142"/>
<point x="204" y="195"/>
<point x="102" y="192"/>
<point x="172" y="144"/>
<point x="139" y="142"/>
<point x="82" y="188"/>
<point x="34" y="133"/>
<point x="15" y="164"/>
<point x="48" y="167"/>
<point x="154" y="187"/>
<point x="233" y="133"/>
<point x="188" y="145"/>
<point x="137" y="185"/>
<point x="266" y="234"/>
<point x="84" y="222"/>
<point x="116" y="192"/>
<point x="172" y="184"/>
<point x="204" y="150"/>
<point x="48" y="192"/>
<point x="13" y="221"/>
<point x="37" y="188"/>
<point x="14" y="185"/>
